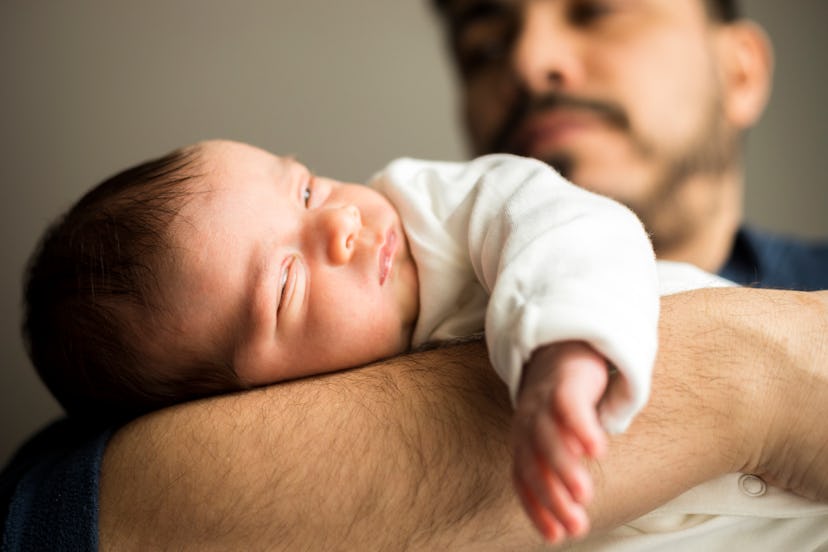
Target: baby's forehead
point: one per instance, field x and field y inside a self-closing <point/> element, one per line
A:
<point x="224" y="149"/>
<point x="229" y="163"/>
<point x="233" y="173"/>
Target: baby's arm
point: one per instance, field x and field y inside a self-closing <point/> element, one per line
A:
<point x="556" y="426"/>
<point x="557" y="263"/>
<point x="560" y="264"/>
<point x="563" y="265"/>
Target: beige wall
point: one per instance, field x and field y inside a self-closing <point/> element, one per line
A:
<point x="90" y="86"/>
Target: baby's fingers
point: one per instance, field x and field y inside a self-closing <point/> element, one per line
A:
<point x="574" y="400"/>
<point x="558" y="451"/>
<point x="544" y="522"/>
<point x="581" y="421"/>
<point x="533" y="472"/>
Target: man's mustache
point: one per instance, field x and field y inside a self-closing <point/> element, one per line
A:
<point x="526" y="106"/>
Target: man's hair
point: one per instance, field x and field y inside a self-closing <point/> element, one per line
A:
<point x="93" y="297"/>
<point x="725" y="11"/>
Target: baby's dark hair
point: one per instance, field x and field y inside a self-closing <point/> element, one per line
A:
<point x="93" y="298"/>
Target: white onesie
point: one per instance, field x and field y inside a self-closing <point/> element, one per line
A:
<point x="505" y="244"/>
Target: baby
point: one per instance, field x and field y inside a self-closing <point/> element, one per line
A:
<point x="221" y="266"/>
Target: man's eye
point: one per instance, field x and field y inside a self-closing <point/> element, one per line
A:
<point x="584" y="13"/>
<point x="475" y="58"/>
<point x="483" y="38"/>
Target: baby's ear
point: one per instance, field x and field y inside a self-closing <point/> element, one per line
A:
<point x="746" y="56"/>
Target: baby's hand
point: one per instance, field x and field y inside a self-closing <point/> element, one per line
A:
<point x="556" y="425"/>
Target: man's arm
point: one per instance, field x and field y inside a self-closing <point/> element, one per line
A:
<point x="413" y="453"/>
<point x="406" y="454"/>
<point x="741" y="374"/>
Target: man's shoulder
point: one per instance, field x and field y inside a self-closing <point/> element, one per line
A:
<point x="773" y="260"/>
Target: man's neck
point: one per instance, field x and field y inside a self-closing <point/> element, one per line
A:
<point x="709" y="245"/>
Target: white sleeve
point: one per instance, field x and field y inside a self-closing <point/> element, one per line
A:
<point x="562" y="263"/>
<point x="558" y="263"/>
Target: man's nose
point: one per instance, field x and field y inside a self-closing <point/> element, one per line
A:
<point x="545" y="55"/>
<point x="341" y="227"/>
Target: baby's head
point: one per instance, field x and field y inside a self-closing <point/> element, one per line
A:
<point x="217" y="267"/>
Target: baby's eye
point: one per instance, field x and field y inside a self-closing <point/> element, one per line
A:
<point x="282" y="288"/>
<point x="283" y="282"/>
<point x="306" y="195"/>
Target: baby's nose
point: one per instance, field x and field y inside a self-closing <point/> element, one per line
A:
<point x="344" y="224"/>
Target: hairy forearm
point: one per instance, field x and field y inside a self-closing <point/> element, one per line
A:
<point x="740" y="384"/>
<point x="695" y="405"/>
<point x="413" y="453"/>
<point x="409" y="454"/>
<point x="792" y="391"/>
<point x="417" y="446"/>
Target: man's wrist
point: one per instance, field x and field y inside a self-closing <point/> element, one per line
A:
<point x="793" y="393"/>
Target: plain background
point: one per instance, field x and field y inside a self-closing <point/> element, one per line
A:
<point x="92" y="86"/>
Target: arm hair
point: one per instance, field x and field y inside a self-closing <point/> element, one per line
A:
<point x="413" y="453"/>
<point x="408" y="454"/>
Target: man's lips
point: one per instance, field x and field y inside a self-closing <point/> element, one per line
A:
<point x="551" y="130"/>
<point x="552" y="117"/>
<point x="386" y="255"/>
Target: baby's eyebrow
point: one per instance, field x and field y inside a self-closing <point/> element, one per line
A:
<point x="293" y="171"/>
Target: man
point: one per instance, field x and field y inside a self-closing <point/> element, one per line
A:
<point x="644" y="101"/>
<point x="413" y="454"/>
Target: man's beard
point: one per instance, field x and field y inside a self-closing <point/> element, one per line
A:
<point x="711" y="152"/>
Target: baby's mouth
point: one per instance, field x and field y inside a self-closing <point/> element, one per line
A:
<point x="386" y="255"/>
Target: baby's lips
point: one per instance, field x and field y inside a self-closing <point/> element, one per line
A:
<point x="386" y="255"/>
